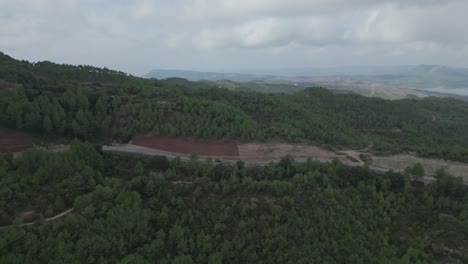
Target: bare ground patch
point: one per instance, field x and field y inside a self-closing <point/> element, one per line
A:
<point x="400" y="162"/>
<point x="231" y="150"/>
<point x="185" y="145"/>
<point x="253" y="151"/>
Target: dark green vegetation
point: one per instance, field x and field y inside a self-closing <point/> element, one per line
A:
<point x="103" y="105"/>
<point x="131" y="209"/>
<point x="416" y="170"/>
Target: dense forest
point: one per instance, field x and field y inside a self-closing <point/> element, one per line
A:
<point x="87" y="206"/>
<point x="96" y="104"/>
<point x="132" y="209"/>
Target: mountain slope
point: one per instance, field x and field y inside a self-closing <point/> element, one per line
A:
<point x="104" y="106"/>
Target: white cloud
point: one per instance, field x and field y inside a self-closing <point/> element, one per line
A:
<point x="239" y="10"/>
<point x="388" y="23"/>
<point x="432" y="24"/>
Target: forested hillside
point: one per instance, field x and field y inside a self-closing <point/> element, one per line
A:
<point x="102" y="105"/>
<point x="131" y="209"/>
<point x="86" y="206"/>
<point x="92" y="103"/>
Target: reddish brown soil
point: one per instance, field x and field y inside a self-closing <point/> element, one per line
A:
<point x="188" y="146"/>
<point x="14" y="142"/>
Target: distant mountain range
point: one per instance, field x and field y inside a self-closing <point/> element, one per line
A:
<point x="261" y="74"/>
<point x="429" y="78"/>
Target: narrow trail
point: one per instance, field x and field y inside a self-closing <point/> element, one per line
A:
<point x="132" y="149"/>
<point x="62" y="214"/>
<point x="353" y="155"/>
<point x="182" y="182"/>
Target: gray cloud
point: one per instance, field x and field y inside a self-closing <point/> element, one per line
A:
<point x="389" y="22"/>
<point x="212" y="34"/>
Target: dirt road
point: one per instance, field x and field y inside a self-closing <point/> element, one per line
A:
<point x="226" y="160"/>
<point x="128" y="148"/>
<point x="153" y="152"/>
<point x="62" y="214"/>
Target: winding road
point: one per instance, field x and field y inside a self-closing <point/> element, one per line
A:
<point x="133" y="149"/>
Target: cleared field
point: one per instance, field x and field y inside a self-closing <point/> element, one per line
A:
<point x="231" y="149"/>
<point x="187" y="145"/>
<point x="14" y="142"/>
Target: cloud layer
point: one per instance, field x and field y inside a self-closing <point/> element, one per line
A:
<point x="227" y="34"/>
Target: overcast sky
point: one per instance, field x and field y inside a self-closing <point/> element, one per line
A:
<point x="137" y="36"/>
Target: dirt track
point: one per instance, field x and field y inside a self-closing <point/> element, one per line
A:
<point x="153" y="152"/>
<point x="129" y="148"/>
<point x="62" y="214"/>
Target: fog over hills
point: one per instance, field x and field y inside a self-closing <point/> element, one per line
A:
<point x="270" y="73"/>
